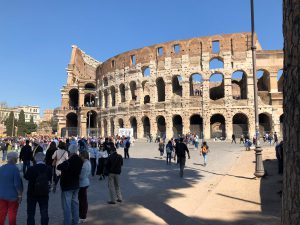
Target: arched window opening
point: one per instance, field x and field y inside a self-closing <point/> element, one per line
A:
<point x="216" y="86"/>
<point x="263" y="79"/>
<point x="90" y="86"/>
<point x="121" y="123"/>
<point x="133" y="124"/>
<point x="176" y="48"/>
<point x="105" y="128"/>
<point x="73" y="98"/>
<point x="217" y="126"/>
<point x="240" y="125"/>
<point x="161" y="126"/>
<point x="122" y="92"/>
<point x="177" y="126"/>
<point x="216" y="63"/>
<point x="196" y="83"/>
<point x="280" y="80"/>
<point x="146" y="126"/>
<point x="91" y="123"/>
<point x="112" y="127"/>
<point x="196" y="125"/>
<point x="176" y="85"/>
<point x="113" y="95"/>
<point x="146" y="99"/>
<point x="89" y="100"/>
<point x="71" y="124"/>
<point x="105" y="81"/>
<point x="105" y="99"/>
<point x="264" y="123"/>
<point x="146" y="71"/>
<point x="133" y="90"/>
<point x="239" y="85"/>
<point x="160" y="84"/>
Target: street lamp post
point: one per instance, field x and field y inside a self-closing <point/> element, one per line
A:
<point x="259" y="168"/>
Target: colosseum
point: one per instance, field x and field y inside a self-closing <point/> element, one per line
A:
<point x="202" y="85"/>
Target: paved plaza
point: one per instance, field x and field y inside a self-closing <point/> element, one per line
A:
<point x="154" y="193"/>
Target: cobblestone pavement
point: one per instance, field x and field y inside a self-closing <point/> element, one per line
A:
<point x="153" y="192"/>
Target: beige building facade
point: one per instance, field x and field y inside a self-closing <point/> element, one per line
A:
<point x="201" y="85"/>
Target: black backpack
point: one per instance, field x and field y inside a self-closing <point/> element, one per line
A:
<point x="127" y="145"/>
<point x="41" y="185"/>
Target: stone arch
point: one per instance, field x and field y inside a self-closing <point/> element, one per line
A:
<point x="160" y="84"/>
<point x="217" y="126"/>
<point x="263" y="80"/>
<point x="105" y="127"/>
<point x="106" y="98"/>
<point x="133" y="90"/>
<point x="216" y="86"/>
<point x="176" y="85"/>
<point x="161" y="126"/>
<point x="177" y="126"/>
<point x="89" y="100"/>
<point x="146" y="99"/>
<point x="122" y="92"/>
<point x="240" y="124"/>
<point x="71" y="124"/>
<point x="89" y="86"/>
<point x="146" y="126"/>
<point x="280" y="80"/>
<point x="113" y="95"/>
<point x="121" y="123"/>
<point x="196" y="125"/>
<point x="239" y="85"/>
<point x="196" y="82"/>
<point x="265" y="123"/>
<point x="105" y="81"/>
<point x="73" y="98"/>
<point x="216" y="63"/>
<point x="133" y="124"/>
<point x="112" y="127"/>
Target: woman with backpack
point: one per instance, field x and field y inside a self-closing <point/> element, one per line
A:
<point x="161" y="148"/>
<point x="169" y="150"/>
<point x="59" y="156"/>
<point x="204" y="150"/>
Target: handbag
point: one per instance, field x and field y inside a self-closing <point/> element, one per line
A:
<point x="55" y="160"/>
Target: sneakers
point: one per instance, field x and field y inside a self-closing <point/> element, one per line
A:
<point x="119" y="200"/>
<point x="82" y="221"/>
<point x="111" y="202"/>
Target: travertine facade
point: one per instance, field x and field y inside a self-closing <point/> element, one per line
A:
<point x="202" y="85"/>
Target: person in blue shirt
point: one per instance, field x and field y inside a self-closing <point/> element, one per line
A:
<point x="11" y="189"/>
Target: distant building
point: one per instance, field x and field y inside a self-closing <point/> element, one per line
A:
<point x="29" y="111"/>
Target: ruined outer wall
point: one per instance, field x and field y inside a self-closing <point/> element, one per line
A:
<point x="194" y="57"/>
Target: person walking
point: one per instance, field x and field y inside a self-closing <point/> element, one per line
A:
<point x="161" y="148"/>
<point x="204" y="151"/>
<point x="4" y="151"/>
<point x="26" y="156"/>
<point x="233" y="139"/>
<point x="11" y="189"/>
<point x="93" y="150"/>
<point x="126" y="147"/>
<point x="114" y="165"/>
<point x="242" y="139"/>
<point x="39" y="177"/>
<point x="49" y="160"/>
<point x="84" y="183"/>
<point x="169" y="150"/>
<point x="102" y="160"/>
<point x="275" y="138"/>
<point x="180" y="151"/>
<point x="69" y="183"/>
<point x="59" y="156"/>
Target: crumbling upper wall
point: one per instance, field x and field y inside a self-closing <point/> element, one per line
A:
<point x="237" y="44"/>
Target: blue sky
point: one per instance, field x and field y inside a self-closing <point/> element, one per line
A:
<point x="36" y="36"/>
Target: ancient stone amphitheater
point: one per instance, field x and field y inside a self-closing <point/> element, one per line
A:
<point x="202" y="85"/>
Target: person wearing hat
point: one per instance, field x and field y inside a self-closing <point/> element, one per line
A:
<point x="11" y="189"/>
<point x="39" y="177"/>
<point x="69" y="183"/>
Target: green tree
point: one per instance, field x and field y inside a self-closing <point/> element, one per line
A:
<point x="10" y="124"/>
<point x="21" y="124"/>
<point x="30" y="126"/>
